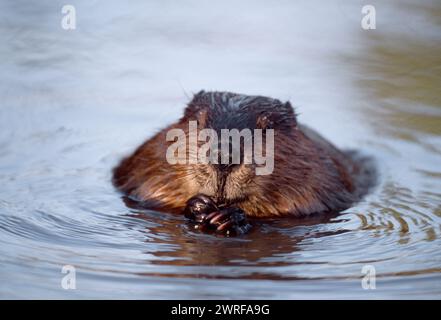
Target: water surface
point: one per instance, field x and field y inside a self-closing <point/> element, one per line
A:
<point x="73" y="103"/>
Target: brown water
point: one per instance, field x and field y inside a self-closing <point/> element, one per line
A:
<point x="74" y="102"/>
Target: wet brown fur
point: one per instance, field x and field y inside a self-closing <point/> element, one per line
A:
<point x="310" y="174"/>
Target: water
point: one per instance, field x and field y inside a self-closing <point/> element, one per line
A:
<point x="74" y="102"/>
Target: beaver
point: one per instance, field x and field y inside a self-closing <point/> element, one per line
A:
<point x="310" y="175"/>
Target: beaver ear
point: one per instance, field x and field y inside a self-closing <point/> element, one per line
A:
<point x="197" y="109"/>
<point x="199" y="115"/>
<point x="289" y="112"/>
<point x="194" y="105"/>
<point x="280" y="117"/>
<point x="264" y="122"/>
<point x="201" y="118"/>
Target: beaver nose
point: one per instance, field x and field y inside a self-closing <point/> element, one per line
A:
<point x="223" y="167"/>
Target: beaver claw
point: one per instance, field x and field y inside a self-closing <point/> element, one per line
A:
<point x="230" y="221"/>
<point x="209" y="217"/>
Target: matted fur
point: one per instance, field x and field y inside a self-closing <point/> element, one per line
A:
<point x="310" y="174"/>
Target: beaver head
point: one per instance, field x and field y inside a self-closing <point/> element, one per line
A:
<point x="231" y="173"/>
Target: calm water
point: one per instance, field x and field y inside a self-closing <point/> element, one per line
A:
<point x="72" y="103"/>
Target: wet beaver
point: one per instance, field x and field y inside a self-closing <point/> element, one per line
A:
<point x="310" y="175"/>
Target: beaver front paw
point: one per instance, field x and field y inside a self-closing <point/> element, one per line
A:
<point x="199" y="207"/>
<point x="228" y="221"/>
<point x="208" y="217"/>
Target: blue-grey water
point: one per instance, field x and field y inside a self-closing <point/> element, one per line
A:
<point x="74" y="102"/>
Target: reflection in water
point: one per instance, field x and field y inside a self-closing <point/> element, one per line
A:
<point x="194" y="248"/>
<point x="74" y="103"/>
